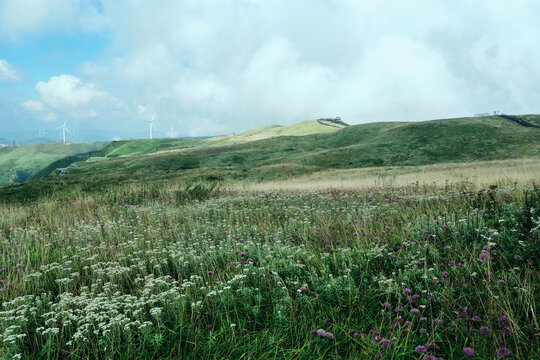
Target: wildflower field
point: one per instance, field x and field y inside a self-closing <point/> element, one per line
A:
<point x="413" y="272"/>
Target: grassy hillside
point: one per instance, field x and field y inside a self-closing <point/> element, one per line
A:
<point x="531" y="118"/>
<point x="307" y="127"/>
<point x="38" y="160"/>
<point x="19" y="162"/>
<point x="377" y="144"/>
<point x="361" y="146"/>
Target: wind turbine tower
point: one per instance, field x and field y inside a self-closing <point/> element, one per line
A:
<point x="151" y="121"/>
<point x="171" y="133"/>
<point x="64" y="129"/>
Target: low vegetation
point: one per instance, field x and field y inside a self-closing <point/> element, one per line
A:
<point x="382" y="241"/>
<point x="147" y="272"/>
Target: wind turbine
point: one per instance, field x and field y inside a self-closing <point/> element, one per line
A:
<point x="64" y="129"/>
<point x="151" y="121"/>
<point x="171" y="133"/>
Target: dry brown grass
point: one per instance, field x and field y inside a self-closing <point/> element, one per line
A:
<point x="479" y="174"/>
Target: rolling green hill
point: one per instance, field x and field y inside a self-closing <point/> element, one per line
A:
<point x="360" y="146"/>
<point x="366" y="145"/>
<point x="17" y="163"/>
<point x="21" y="162"/>
<point x="307" y="127"/>
<point x="532" y="118"/>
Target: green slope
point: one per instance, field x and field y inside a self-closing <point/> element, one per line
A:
<point x="307" y="127"/>
<point x="38" y="160"/>
<point x="19" y="162"/>
<point x="376" y="144"/>
<point x="531" y="118"/>
<point x="367" y="145"/>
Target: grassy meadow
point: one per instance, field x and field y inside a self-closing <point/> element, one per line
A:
<point x="202" y="272"/>
<point x="378" y="241"/>
<point x="477" y="175"/>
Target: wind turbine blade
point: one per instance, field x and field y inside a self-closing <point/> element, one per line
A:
<point x="68" y="130"/>
<point x="153" y="116"/>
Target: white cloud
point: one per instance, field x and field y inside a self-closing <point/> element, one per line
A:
<point x="67" y="91"/>
<point x="34" y="106"/>
<point x="8" y="72"/>
<point x="39" y="111"/>
<point x="35" y="17"/>
<point x="234" y="64"/>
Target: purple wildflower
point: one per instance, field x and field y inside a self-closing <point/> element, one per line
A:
<point x="386" y="344"/>
<point x="504" y="353"/>
<point x="322" y="333"/>
<point x="378" y="356"/>
<point x="444" y="274"/>
<point x="407" y="324"/>
<point x="406" y="291"/>
<point x="432" y="347"/>
<point x="485" y="330"/>
<point x="503" y="320"/>
<point x="421" y="349"/>
<point x="430" y="357"/>
<point x="423" y="319"/>
<point x="468" y="352"/>
<point x="506" y="331"/>
<point x="476" y="318"/>
<point x="500" y="281"/>
<point x="415" y="311"/>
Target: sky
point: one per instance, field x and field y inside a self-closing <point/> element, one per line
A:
<point x="207" y="67"/>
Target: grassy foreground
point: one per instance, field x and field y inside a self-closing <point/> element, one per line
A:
<point x="477" y="175"/>
<point x="168" y="272"/>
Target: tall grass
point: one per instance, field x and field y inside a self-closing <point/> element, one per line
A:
<point x="478" y="175"/>
<point x="147" y="272"/>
